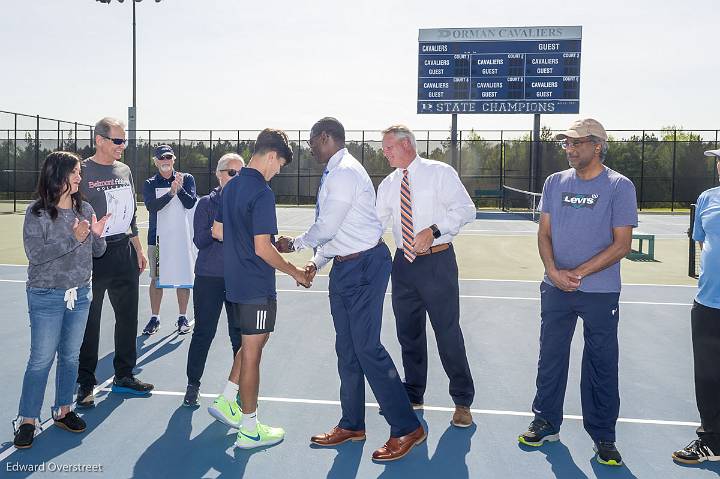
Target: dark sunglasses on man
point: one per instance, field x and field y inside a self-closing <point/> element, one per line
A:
<point x="116" y="141"/>
<point x="230" y="171"/>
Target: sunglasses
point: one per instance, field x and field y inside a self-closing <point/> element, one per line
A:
<point x="166" y="157"/>
<point x="116" y="141"/>
<point x="230" y="171"/>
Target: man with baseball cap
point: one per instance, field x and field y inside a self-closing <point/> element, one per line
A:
<point x="588" y="213"/>
<point x="177" y="184"/>
<point x="705" y="326"/>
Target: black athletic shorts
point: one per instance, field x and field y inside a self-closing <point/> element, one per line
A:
<point x="254" y="318"/>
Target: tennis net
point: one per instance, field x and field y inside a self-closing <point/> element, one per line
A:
<point x="521" y="202"/>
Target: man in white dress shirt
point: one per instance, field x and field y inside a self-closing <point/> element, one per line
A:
<point x="427" y="205"/>
<point x="347" y="231"/>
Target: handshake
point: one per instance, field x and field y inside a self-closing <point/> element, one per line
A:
<point x="303" y="277"/>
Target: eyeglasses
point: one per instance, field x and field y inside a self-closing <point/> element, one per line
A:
<point x="230" y="171"/>
<point x="116" y="141"/>
<point x="167" y="157"/>
<point x="565" y="144"/>
<point x="309" y="142"/>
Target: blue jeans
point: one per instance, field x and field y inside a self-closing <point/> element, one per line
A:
<point x="54" y="329"/>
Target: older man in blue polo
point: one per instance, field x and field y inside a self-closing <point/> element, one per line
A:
<point x="588" y="213"/>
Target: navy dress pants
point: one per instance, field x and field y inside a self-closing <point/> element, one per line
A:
<point x="357" y="290"/>
<point x="599" y="393"/>
<point x="429" y="287"/>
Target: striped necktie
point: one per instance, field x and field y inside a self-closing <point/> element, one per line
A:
<point x="406" y="218"/>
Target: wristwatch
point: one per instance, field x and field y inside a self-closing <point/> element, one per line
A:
<point x="436" y="231"/>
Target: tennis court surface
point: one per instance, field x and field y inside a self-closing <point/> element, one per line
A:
<point x="500" y="271"/>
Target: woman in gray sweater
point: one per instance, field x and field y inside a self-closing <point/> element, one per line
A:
<point x="60" y="235"/>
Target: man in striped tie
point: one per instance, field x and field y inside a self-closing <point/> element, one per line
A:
<point x="427" y="205"/>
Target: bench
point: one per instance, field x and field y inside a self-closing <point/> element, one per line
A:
<point x="639" y="254"/>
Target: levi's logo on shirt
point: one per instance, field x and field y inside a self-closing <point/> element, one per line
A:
<point x="580" y="200"/>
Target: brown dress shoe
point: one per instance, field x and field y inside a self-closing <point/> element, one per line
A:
<point x="337" y="435"/>
<point x="397" y="447"/>
<point x="462" y="417"/>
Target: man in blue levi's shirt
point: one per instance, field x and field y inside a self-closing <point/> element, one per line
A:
<point x="246" y="223"/>
<point x="705" y="324"/>
<point x="588" y="213"/>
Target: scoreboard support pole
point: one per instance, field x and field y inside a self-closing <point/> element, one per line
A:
<point x="454" y="142"/>
<point x="535" y="155"/>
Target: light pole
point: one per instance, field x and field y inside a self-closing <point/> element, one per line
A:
<point x="132" y="111"/>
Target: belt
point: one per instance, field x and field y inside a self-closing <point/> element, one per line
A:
<point x="352" y="256"/>
<point x="435" y="249"/>
<point x="117" y="239"/>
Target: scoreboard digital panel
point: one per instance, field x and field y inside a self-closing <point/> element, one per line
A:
<point x="499" y="70"/>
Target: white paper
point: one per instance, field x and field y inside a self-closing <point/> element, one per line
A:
<point x="121" y="204"/>
<point x="176" y="250"/>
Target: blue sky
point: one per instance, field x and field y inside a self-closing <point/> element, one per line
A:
<point x="227" y="64"/>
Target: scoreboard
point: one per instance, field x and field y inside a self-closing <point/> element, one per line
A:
<point x="499" y="70"/>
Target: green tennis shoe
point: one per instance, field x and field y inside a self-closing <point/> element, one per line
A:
<point x="262" y="436"/>
<point x="227" y="412"/>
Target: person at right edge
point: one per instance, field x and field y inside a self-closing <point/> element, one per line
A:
<point x="588" y="213"/>
<point x="705" y="327"/>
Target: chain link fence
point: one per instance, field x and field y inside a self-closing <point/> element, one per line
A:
<point x="667" y="166"/>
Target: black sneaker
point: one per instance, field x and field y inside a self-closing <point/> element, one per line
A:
<point x="607" y="453"/>
<point x="24" y="436"/>
<point x="695" y="453"/>
<point x="152" y="326"/>
<point x="85" y="397"/>
<point x="191" y="396"/>
<point x="70" y="422"/>
<point x="183" y="325"/>
<point x="131" y="385"/>
<point x="538" y="433"/>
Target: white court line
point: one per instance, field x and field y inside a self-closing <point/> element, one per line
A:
<point x="538" y="281"/>
<point x="462" y="296"/>
<point x="491" y="280"/>
<point x="100" y="387"/>
<point x="508" y="298"/>
<point x="461" y="279"/>
<point x="493" y="412"/>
